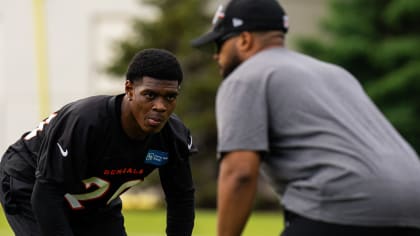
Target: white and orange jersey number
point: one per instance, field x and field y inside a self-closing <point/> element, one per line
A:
<point x="74" y="200"/>
<point x="40" y="127"/>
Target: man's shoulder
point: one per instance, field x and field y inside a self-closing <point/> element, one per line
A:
<point x="88" y="107"/>
<point x="177" y="126"/>
<point x="180" y="133"/>
<point x="89" y="103"/>
<point x="91" y="112"/>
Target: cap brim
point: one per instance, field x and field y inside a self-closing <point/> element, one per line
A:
<point x="205" y="40"/>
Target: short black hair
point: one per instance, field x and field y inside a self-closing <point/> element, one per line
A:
<point x="156" y="63"/>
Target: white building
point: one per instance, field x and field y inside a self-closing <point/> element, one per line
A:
<point x="52" y="52"/>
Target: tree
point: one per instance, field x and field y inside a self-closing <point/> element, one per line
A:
<point x="180" y="21"/>
<point x="379" y="42"/>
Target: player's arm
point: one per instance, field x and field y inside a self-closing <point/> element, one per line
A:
<point x="48" y="206"/>
<point x="237" y="185"/>
<point x="178" y="186"/>
<point x="61" y="162"/>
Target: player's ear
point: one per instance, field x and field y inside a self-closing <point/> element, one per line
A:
<point x="129" y="88"/>
<point x="245" y="41"/>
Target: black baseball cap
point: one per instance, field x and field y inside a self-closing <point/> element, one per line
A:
<point x="244" y="15"/>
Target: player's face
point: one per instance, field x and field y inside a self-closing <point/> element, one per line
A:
<point x="152" y="102"/>
<point x="227" y="57"/>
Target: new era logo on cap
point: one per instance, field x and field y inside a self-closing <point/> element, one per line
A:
<point x="236" y="22"/>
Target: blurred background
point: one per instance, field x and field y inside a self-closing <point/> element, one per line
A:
<point x="55" y="51"/>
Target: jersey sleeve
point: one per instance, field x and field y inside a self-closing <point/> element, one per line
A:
<point x="180" y="137"/>
<point x="47" y="205"/>
<point x="176" y="179"/>
<point x="61" y="163"/>
<point x="63" y="151"/>
<point x="242" y="116"/>
<point x="177" y="183"/>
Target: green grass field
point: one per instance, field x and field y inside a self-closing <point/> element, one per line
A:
<point x="152" y="223"/>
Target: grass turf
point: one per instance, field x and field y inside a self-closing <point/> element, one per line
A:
<point x="152" y="223"/>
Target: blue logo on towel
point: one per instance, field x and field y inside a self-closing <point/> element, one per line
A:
<point x="156" y="157"/>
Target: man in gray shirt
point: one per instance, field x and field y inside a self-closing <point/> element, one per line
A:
<point x="338" y="165"/>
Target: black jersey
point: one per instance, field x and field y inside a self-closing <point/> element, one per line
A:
<point x="83" y="148"/>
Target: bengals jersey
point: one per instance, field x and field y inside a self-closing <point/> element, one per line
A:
<point x="83" y="149"/>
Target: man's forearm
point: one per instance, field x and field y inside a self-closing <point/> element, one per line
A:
<point x="237" y="185"/>
<point x="180" y="217"/>
<point x="179" y="191"/>
<point x="47" y="204"/>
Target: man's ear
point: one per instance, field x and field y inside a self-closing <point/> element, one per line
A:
<point x="245" y="42"/>
<point x="129" y="89"/>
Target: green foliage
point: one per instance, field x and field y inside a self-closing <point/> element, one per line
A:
<point x="180" y="21"/>
<point x="379" y="42"/>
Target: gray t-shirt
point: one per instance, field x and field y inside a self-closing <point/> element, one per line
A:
<point x="328" y="151"/>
